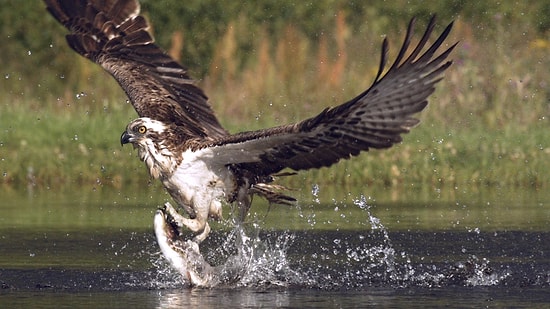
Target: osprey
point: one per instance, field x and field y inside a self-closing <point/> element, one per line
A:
<point x="202" y="165"/>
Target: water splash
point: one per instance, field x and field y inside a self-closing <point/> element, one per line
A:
<point x="249" y="256"/>
<point x="478" y="272"/>
<point x="258" y="261"/>
<point x="315" y="192"/>
<point x="247" y="259"/>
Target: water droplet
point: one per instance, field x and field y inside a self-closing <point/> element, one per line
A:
<point x="315" y="190"/>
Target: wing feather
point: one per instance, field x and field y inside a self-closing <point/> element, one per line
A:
<point x="374" y="119"/>
<point x="114" y="35"/>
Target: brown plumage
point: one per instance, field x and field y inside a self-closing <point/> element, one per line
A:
<point x="199" y="162"/>
<point x="112" y="34"/>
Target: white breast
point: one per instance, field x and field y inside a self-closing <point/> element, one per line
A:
<point x="200" y="183"/>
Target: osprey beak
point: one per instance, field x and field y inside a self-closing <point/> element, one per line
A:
<point x="125" y="138"/>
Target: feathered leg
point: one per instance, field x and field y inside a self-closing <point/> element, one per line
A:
<point x="196" y="225"/>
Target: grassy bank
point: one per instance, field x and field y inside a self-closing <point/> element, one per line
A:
<point x="48" y="149"/>
<point x="487" y="124"/>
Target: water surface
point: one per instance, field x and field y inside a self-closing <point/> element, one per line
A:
<point x="96" y="248"/>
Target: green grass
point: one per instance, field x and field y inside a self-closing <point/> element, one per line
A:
<point x="51" y="149"/>
<point x="486" y="125"/>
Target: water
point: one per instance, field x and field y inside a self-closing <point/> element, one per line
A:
<point x="97" y="249"/>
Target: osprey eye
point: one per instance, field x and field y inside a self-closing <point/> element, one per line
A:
<point x="142" y="129"/>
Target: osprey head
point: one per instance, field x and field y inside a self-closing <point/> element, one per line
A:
<point x="150" y="136"/>
<point x="141" y="131"/>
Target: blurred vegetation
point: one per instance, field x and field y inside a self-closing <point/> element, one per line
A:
<point x="265" y="63"/>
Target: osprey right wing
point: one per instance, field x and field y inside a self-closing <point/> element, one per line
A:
<point x="112" y="34"/>
<point x="375" y="118"/>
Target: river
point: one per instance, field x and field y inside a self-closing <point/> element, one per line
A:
<point x="88" y="247"/>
